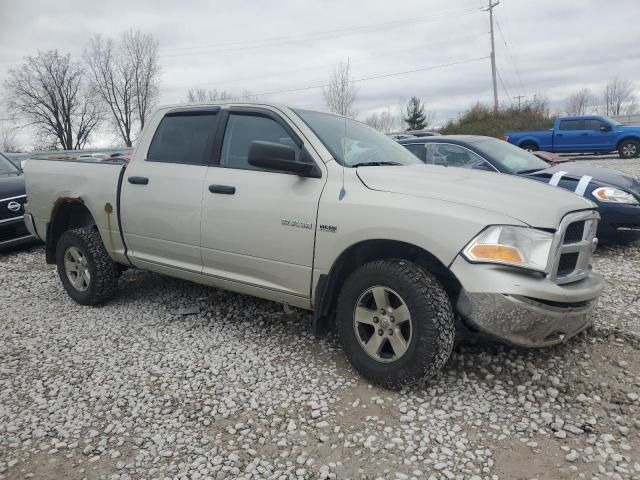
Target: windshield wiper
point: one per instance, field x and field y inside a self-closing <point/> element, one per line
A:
<point x="529" y="170"/>
<point x="374" y="164"/>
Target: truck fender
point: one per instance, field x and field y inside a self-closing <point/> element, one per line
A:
<point x="328" y="285"/>
<point x="68" y="213"/>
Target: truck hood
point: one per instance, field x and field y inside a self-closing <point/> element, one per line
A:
<point x="536" y="204"/>
<point x="11" y="186"/>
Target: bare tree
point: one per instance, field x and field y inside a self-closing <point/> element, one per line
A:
<point x="384" y="121"/>
<point x="340" y="94"/>
<point x="125" y="76"/>
<point x="49" y="91"/>
<point x="8" y="140"/>
<point x="619" y="97"/>
<point x="201" y="95"/>
<point x="142" y="50"/>
<point x="579" y="102"/>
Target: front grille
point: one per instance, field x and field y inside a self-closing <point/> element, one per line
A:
<point x="6" y="213"/>
<point x="573" y="246"/>
<point x="567" y="263"/>
<point x="9" y="232"/>
<point x="574" y="233"/>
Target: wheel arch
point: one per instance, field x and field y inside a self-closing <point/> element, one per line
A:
<point x="67" y="214"/>
<point x="530" y="140"/>
<point x="328" y="285"/>
<point x="627" y="138"/>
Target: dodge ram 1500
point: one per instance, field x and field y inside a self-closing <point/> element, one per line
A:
<point x="325" y="213"/>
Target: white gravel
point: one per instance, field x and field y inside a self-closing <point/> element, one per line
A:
<point x="175" y="380"/>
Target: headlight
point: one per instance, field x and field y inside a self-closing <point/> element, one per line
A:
<point x="508" y="245"/>
<point x="613" y="195"/>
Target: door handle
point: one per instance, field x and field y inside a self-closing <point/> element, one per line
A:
<point x="138" y="180"/>
<point x="558" y="134"/>
<point x="584" y="134"/>
<point x="223" y="189"/>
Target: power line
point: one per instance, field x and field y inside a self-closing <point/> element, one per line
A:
<point x="278" y="41"/>
<point x="513" y="63"/>
<point x="375" y="77"/>
<point x="504" y="87"/>
<point x="394" y="52"/>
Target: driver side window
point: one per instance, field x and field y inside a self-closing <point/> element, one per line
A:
<point x="455" y="156"/>
<point x="242" y="129"/>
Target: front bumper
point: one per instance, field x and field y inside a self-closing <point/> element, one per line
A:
<point x="619" y="222"/>
<point x="14" y="232"/>
<point x="523" y="309"/>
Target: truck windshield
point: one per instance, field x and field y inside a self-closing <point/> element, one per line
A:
<point x="514" y="159"/>
<point x="354" y="144"/>
<point x="612" y="121"/>
<point x="6" y="167"/>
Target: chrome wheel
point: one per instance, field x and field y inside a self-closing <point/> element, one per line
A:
<point x="382" y="324"/>
<point x="77" y="269"/>
<point x="629" y="150"/>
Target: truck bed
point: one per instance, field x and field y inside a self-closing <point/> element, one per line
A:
<point x="52" y="183"/>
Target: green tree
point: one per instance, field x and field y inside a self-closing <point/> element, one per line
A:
<point x="415" y="118"/>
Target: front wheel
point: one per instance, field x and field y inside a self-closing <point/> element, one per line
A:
<point x="85" y="269"/>
<point x="395" y="322"/>
<point x="629" y="149"/>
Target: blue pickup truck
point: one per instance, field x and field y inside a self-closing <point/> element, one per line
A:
<point x="583" y="134"/>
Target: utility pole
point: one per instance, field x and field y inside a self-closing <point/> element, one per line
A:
<point x="493" y="55"/>
<point x="519" y="97"/>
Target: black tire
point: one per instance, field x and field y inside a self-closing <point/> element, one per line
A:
<point x="629" y="149"/>
<point x="103" y="271"/>
<point x="432" y="332"/>
<point x="529" y="146"/>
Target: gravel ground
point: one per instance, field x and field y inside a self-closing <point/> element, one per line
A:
<point x="175" y="380"/>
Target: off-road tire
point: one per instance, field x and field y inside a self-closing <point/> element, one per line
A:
<point x="432" y="317"/>
<point x="629" y="149"/>
<point x="104" y="272"/>
<point x="529" y="146"/>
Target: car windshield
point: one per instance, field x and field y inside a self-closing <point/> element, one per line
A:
<point x="514" y="159"/>
<point x="354" y="144"/>
<point x="6" y="167"/>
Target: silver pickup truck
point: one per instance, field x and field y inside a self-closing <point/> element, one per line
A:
<point x="325" y="213"/>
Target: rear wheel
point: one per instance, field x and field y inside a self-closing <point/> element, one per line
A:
<point x="529" y="146"/>
<point x="395" y="322"/>
<point x="629" y="149"/>
<point x="85" y="268"/>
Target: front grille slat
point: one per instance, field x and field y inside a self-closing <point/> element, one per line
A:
<point x="573" y="247"/>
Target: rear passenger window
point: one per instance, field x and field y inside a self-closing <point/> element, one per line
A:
<point x="243" y="129"/>
<point x="184" y="138"/>
<point x="418" y="150"/>
<point x="571" y="125"/>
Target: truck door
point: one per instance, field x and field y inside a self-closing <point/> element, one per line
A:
<point x="162" y="193"/>
<point x="601" y="136"/>
<point x="258" y="226"/>
<point x="570" y="136"/>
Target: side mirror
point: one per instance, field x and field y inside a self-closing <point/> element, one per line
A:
<point x="281" y="158"/>
<point x="605" y="128"/>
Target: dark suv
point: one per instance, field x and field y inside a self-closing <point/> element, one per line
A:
<point x="12" y="200"/>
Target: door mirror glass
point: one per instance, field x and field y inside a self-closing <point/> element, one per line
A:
<point x="279" y="158"/>
<point x="605" y="128"/>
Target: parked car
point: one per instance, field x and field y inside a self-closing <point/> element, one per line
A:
<point x="617" y="194"/>
<point x="325" y="213"/>
<point x="12" y="200"/>
<point x="588" y="133"/>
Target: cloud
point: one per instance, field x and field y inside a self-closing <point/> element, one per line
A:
<point x="269" y="46"/>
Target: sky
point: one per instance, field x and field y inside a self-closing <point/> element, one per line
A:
<point x="434" y="49"/>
